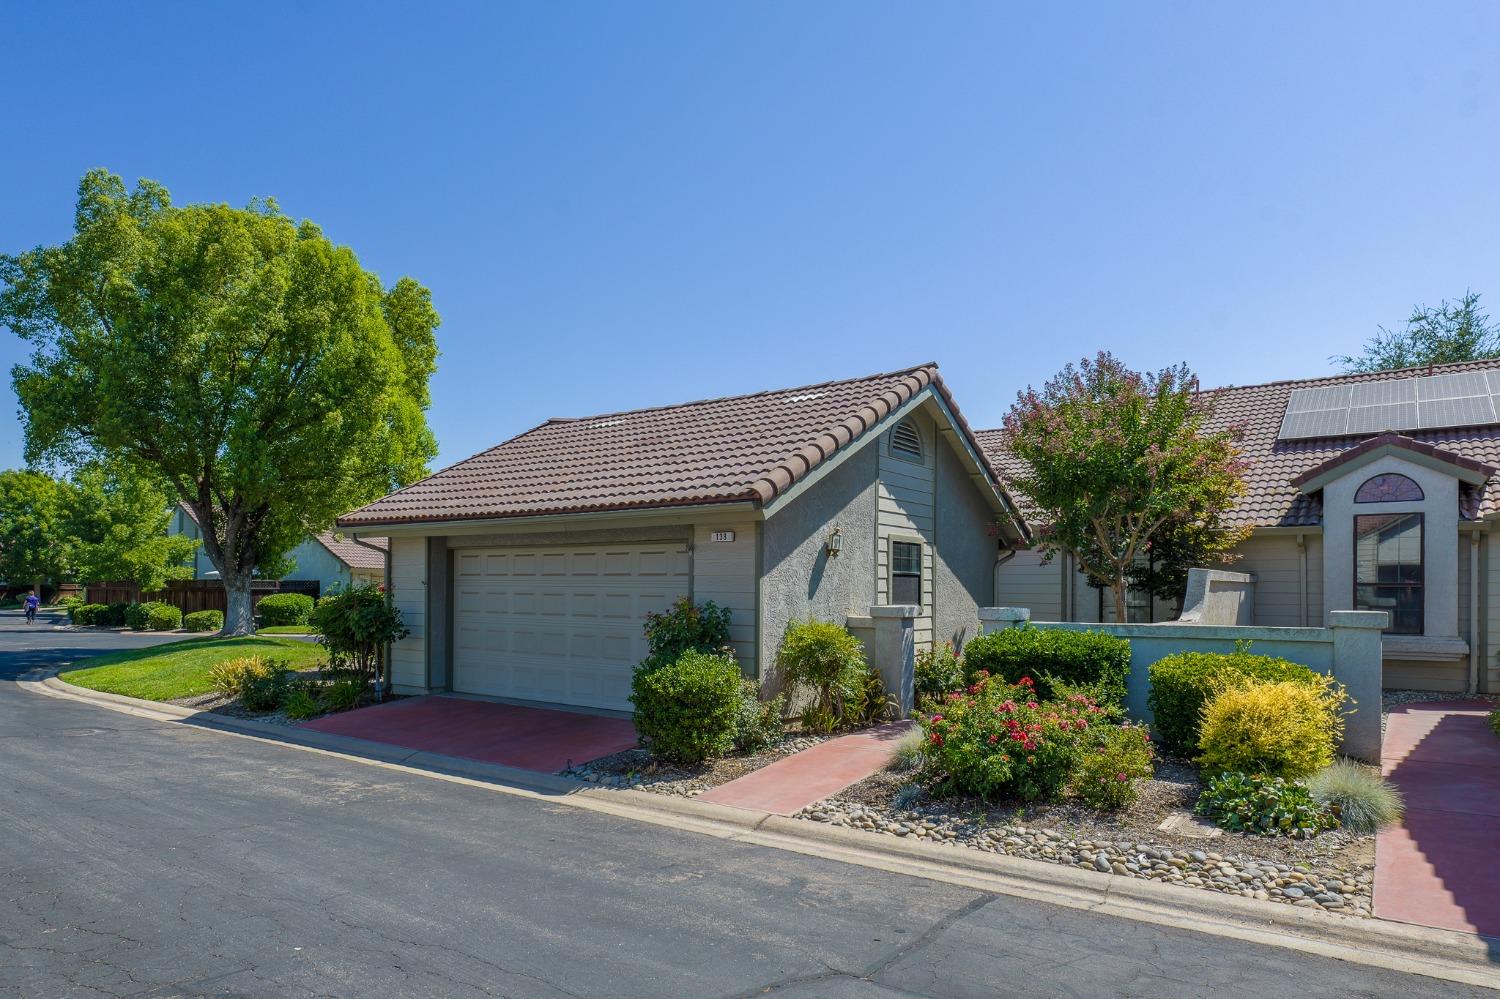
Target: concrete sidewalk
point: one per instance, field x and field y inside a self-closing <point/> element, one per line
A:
<point x="791" y="784"/>
<point x="1441" y="866"/>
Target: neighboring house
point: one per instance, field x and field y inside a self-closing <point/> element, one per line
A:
<point x="527" y="570"/>
<point x="334" y="559"/>
<point x="1370" y="491"/>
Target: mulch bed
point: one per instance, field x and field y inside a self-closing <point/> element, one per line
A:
<point x="639" y="770"/>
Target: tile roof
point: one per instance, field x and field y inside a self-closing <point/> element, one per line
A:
<point x="354" y="554"/>
<point x="1272" y="500"/>
<point x="741" y="448"/>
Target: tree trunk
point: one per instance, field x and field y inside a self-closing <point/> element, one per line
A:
<point x="1122" y="609"/>
<point x="238" y="617"/>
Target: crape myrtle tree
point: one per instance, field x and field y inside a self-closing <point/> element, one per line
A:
<point x="240" y="357"/>
<point x="1118" y="460"/>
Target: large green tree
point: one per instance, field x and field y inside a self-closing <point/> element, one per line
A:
<point x="1118" y="460"/>
<point x="238" y="356"/>
<point x="32" y="541"/>
<point x="1442" y="334"/>
<point x="115" y="528"/>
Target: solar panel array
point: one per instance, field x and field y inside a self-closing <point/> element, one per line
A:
<point x="1462" y="399"/>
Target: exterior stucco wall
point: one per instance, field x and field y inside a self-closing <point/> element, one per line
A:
<point x="798" y="577"/>
<point x="965" y="553"/>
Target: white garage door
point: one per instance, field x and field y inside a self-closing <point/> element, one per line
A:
<point x="559" y="624"/>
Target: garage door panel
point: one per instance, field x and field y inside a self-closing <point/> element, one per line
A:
<point x="559" y="625"/>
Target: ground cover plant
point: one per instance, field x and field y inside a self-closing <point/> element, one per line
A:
<point x="1268" y="806"/>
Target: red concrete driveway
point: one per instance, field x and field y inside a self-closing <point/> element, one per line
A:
<point x="1441" y="865"/>
<point x="530" y="738"/>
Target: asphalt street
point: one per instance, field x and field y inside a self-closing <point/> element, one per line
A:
<point x="143" y="858"/>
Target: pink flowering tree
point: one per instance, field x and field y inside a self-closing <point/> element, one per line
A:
<point x="1118" y="464"/>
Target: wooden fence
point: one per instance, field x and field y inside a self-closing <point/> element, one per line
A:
<point x="191" y="595"/>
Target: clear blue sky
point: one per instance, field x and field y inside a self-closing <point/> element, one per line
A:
<point x="619" y="205"/>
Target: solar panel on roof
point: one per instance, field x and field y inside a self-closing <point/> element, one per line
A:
<point x="1385" y="393"/>
<point x="1435" y="402"/>
<point x="1455" y="386"/>
<point x="1473" y="411"/>
<point x="1374" y="419"/>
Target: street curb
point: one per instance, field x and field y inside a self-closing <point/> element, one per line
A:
<point x="1435" y="953"/>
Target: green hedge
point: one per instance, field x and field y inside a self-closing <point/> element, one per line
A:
<point x="87" y="614"/>
<point x="163" y="617"/>
<point x="285" y="608"/>
<point x="204" y="620"/>
<point x="686" y="710"/>
<point x="1087" y="659"/>
<point x="1182" y="684"/>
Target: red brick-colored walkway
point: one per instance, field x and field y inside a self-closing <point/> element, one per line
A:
<point x="797" y="781"/>
<point x="530" y="738"/>
<point x="1441" y="866"/>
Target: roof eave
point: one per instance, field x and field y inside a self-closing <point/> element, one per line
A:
<point x="420" y="527"/>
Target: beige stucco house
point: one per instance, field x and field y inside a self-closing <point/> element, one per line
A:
<point x="332" y="558"/>
<point x="526" y="571"/>
<point x="1365" y="492"/>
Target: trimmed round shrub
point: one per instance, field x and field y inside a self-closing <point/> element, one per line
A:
<point x="1113" y="760"/>
<point x="87" y="614"/>
<point x="1268" y="806"/>
<point x="1281" y="728"/>
<point x="163" y="617"/>
<point x="204" y="620"/>
<point x="1359" y="798"/>
<point x="281" y="609"/>
<point x="138" y="617"/>
<point x="1181" y="685"/>
<point x="113" y="616"/>
<point x="686" y="710"/>
<point x="1060" y="662"/>
<point x="827" y="663"/>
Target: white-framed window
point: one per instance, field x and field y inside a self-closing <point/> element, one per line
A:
<point x="906" y="572"/>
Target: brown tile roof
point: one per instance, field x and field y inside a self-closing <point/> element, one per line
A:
<point x="1272" y="499"/>
<point x="354" y="554"/>
<point x="1480" y="469"/>
<point x="741" y="448"/>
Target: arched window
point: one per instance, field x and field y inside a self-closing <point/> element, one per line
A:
<point x="1388" y="487"/>
<point x="906" y="441"/>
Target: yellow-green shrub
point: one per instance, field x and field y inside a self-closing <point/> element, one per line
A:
<point x="1280" y="728"/>
<point x="232" y="676"/>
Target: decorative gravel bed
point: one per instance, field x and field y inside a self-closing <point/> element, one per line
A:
<point x="1333" y="871"/>
<point x="637" y="770"/>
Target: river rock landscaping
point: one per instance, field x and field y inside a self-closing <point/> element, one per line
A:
<point x="1333" y="871"/>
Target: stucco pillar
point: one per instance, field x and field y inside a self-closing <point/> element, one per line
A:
<point x="893" y="651"/>
<point x="1000" y="618"/>
<point x="1357" y="665"/>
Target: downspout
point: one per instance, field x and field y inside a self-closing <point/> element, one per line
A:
<point x="1003" y="556"/>
<point x="385" y="653"/>
<point x="1067" y="588"/>
<point x="1302" y="579"/>
<point x="1473" y="613"/>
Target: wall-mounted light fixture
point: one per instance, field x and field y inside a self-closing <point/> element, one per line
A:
<point x="834" y="544"/>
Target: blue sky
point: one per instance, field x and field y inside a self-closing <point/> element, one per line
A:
<point x="619" y="205"/>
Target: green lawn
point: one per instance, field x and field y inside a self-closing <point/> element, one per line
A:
<point x="287" y="629"/>
<point x="168" y="672"/>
